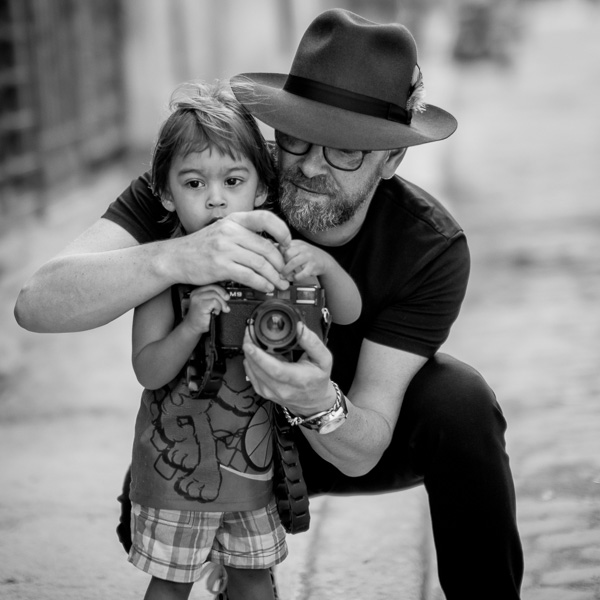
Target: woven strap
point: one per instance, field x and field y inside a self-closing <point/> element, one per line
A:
<point x="290" y="488"/>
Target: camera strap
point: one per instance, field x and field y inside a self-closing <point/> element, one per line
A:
<point x="204" y="372"/>
<point x="289" y="485"/>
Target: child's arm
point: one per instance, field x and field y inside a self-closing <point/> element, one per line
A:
<point x="159" y="351"/>
<point x="343" y="298"/>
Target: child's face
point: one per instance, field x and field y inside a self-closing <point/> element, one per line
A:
<point x="207" y="185"/>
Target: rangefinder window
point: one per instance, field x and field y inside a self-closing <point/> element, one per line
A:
<point x="305" y="295"/>
<point x="282" y="294"/>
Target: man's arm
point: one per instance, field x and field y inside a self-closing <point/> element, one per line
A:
<point x="374" y="400"/>
<point x="104" y="272"/>
<point x="89" y="283"/>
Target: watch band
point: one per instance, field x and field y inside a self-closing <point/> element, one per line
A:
<point x="317" y="420"/>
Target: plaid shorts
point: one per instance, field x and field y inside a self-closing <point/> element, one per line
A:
<point x="174" y="544"/>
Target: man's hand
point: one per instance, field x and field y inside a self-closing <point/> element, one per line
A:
<point x="232" y="249"/>
<point x="304" y="387"/>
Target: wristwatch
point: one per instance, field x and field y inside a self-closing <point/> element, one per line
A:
<point x="326" y="421"/>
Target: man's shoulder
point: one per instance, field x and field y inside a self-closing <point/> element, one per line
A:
<point x="399" y="199"/>
<point x="139" y="212"/>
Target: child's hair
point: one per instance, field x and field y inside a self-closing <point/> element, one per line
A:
<point x="207" y="115"/>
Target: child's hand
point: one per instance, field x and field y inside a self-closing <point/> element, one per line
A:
<point x="303" y="260"/>
<point x="205" y="301"/>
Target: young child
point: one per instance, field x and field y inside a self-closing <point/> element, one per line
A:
<point x="202" y="468"/>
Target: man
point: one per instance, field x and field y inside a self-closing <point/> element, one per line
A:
<point x="399" y="414"/>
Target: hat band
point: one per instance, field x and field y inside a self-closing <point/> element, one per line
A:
<point x="341" y="98"/>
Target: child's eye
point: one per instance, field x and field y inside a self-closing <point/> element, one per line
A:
<point x="194" y="184"/>
<point x="232" y="181"/>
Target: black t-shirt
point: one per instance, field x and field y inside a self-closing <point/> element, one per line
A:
<point x="410" y="261"/>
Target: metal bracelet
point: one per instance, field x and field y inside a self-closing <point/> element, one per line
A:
<point x="295" y="420"/>
<point x="292" y="419"/>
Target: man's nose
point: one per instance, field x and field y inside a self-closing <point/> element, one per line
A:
<point x="313" y="162"/>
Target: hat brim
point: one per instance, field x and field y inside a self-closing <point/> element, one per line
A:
<point x="263" y="95"/>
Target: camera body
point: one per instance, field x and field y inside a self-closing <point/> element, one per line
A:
<point x="271" y="317"/>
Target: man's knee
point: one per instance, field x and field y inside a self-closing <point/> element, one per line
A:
<point x="452" y="392"/>
<point x="443" y="372"/>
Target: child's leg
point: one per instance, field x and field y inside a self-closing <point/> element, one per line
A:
<point x="172" y="547"/>
<point x="247" y="544"/>
<point x="161" y="589"/>
<point x="249" y="584"/>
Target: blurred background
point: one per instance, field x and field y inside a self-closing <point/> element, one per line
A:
<point x="84" y="85"/>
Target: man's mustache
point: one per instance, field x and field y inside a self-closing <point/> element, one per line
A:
<point x="319" y="183"/>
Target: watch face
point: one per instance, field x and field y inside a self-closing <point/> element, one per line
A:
<point x="332" y="425"/>
<point x="329" y="420"/>
<point x="314" y="425"/>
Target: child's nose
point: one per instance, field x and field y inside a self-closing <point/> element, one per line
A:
<point x="216" y="199"/>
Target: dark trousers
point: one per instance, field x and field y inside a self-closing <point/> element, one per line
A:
<point x="449" y="437"/>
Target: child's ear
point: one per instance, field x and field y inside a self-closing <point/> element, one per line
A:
<point x="167" y="201"/>
<point x="261" y="195"/>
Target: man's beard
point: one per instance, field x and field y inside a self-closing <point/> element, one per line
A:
<point x="315" y="215"/>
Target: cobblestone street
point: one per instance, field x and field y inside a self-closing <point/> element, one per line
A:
<point x="522" y="177"/>
<point x="531" y="321"/>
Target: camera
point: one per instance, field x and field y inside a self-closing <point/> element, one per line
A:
<point x="271" y="317"/>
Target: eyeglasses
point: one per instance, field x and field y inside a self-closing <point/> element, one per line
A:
<point x="344" y="160"/>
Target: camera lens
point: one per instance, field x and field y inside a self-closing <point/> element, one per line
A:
<point x="274" y="325"/>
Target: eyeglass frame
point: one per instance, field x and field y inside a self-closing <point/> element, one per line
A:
<point x="310" y="145"/>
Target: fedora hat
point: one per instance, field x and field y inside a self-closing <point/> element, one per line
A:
<point x="349" y="87"/>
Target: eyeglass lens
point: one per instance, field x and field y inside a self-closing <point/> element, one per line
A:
<point x="345" y="160"/>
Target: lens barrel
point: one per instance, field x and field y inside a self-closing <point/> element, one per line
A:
<point x="273" y="326"/>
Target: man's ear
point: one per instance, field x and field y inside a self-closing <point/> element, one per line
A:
<point x="392" y="162"/>
<point x="261" y="195"/>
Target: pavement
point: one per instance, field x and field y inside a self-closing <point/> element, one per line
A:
<point x="521" y="176"/>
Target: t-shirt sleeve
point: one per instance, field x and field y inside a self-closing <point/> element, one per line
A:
<point x="139" y="212"/>
<point x="420" y="320"/>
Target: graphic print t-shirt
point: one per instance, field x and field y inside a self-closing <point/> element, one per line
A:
<point x="207" y="454"/>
